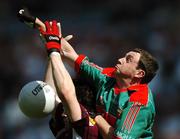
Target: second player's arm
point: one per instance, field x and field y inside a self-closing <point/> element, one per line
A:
<point x="105" y="129"/>
<point x="65" y="87"/>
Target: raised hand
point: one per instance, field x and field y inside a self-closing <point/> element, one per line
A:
<point x="52" y="36"/>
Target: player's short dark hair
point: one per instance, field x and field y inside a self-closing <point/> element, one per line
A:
<point x="148" y="63"/>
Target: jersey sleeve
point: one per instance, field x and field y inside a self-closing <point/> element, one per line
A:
<point x="89" y="70"/>
<point x="135" y="122"/>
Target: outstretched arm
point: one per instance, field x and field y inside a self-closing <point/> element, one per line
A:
<point x="65" y="87"/>
<point x="62" y="80"/>
<point x="49" y="75"/>
<point x="49" y="79"/>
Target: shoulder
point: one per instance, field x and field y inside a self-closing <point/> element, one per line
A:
<point x="139" y="94"/>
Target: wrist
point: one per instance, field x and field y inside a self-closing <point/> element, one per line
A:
<point x="77" y="61"/>
<point x="54" y="54"/>
<point x="53" y="47"/>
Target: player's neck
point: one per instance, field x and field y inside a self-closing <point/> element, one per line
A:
<point x="124" y="83"/>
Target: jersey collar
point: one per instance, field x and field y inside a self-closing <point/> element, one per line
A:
<point x="138" y="94"/>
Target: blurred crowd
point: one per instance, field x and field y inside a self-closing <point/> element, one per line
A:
<point x="103" y="30"/>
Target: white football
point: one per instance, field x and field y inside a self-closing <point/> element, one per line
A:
<point x="37" y="99"/>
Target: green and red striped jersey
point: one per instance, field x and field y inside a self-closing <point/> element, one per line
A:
<point x="130" y="111"/>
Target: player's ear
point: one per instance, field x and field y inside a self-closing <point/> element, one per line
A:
<point x="140" y="73"/>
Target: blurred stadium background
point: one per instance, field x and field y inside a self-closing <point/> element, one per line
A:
<point x="104" y="30"/>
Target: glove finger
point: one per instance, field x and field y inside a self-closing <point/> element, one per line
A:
<point x="41" y="30"/>
<point x="50" y="23"/>
<point x="55" y="29"/>
<point x="59" y="27"/>
<point x="69" y="37"/>
<point x="48" y="27"/>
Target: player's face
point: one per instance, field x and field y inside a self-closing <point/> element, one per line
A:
<point x="127" y="66"/>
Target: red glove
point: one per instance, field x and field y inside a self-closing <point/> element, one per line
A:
<point x="51" y="36"/>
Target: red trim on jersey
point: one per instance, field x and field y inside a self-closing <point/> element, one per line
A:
<point x="109" y="71"/>
<point x="78" y="62"/>
<point x="131" y="117"/>
<point x="127" y="118"/>
<point x="139" y="94"/>
<point x="133" y="120"/>
<point x="118" y="91"/>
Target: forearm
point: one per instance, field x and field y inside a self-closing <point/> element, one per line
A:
<point x="48" y="75"/>
<point x="105" y="129"/>
<point x="59" y="71"/>
<point x="65" y="87"/>
<point x="49" y="79"/>
<point x="62" y="80"/>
